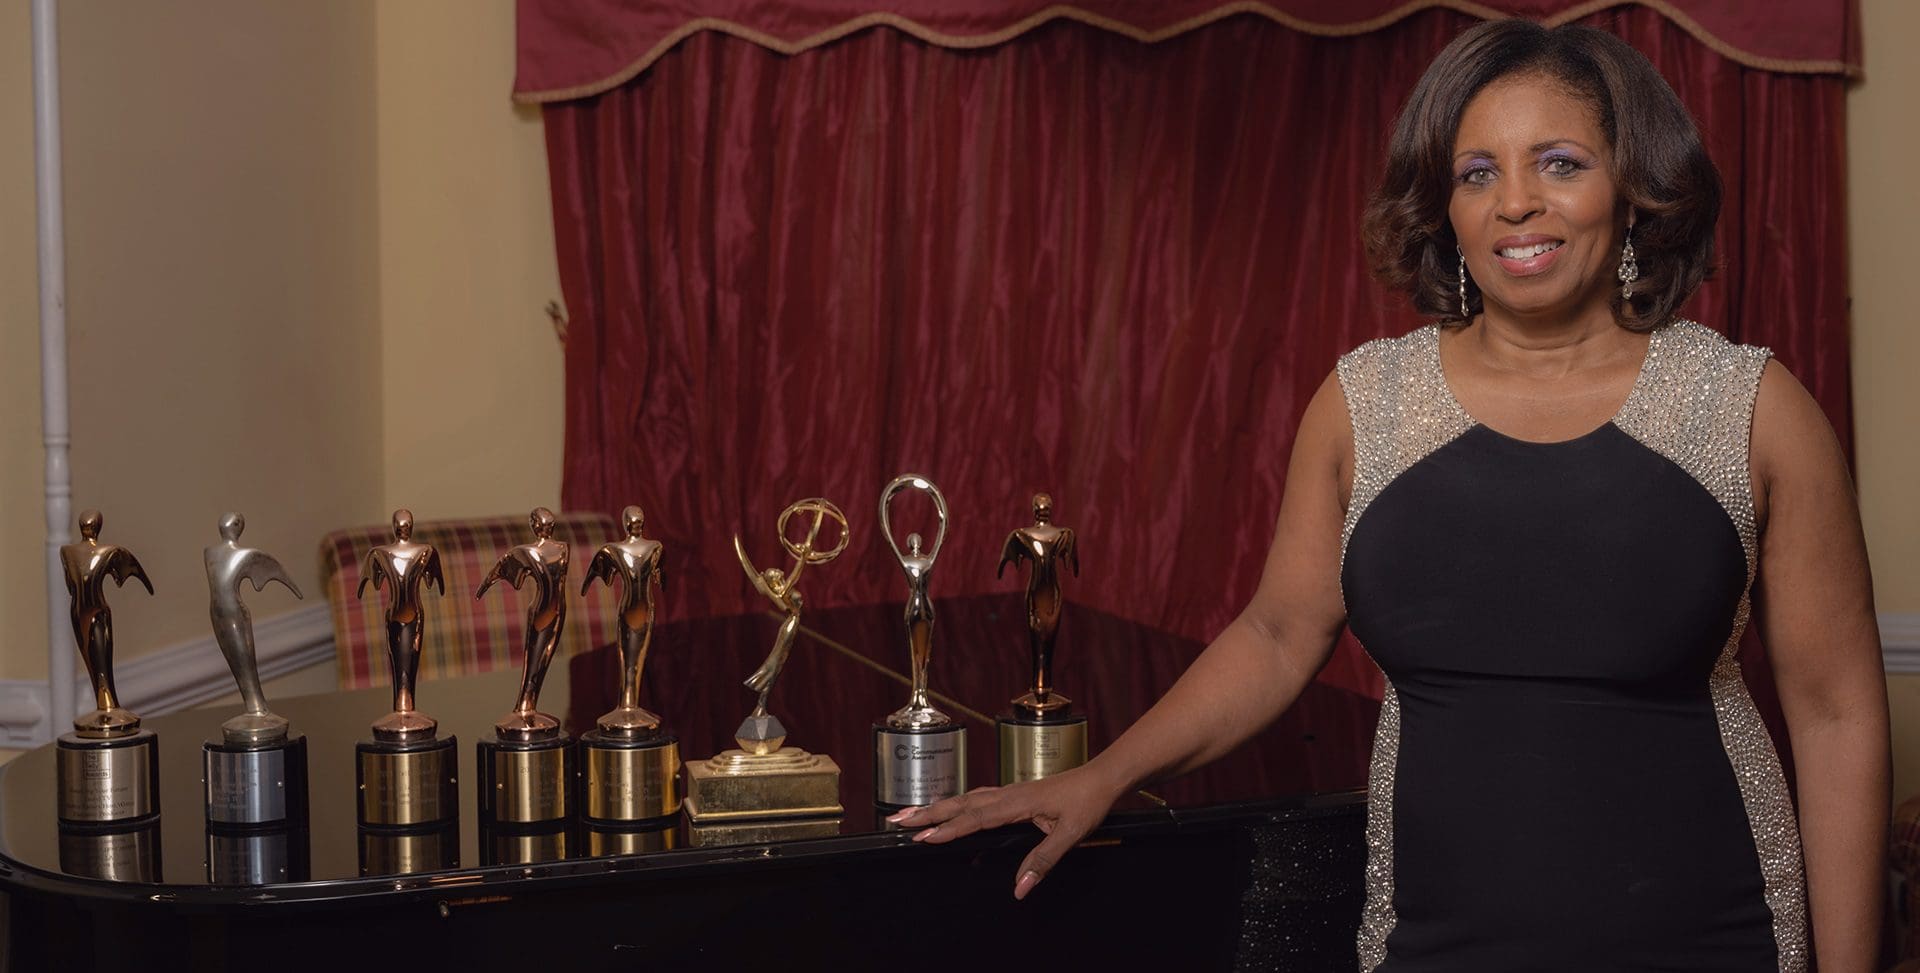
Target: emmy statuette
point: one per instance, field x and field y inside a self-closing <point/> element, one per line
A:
<point x="526" y="770"/>
<point x="1041" y="735"/>
<point x="631" y="761"/>
<point x="407" y="775"/>
<point x="919" y="753"/>
<point x="256" y="774"/>
<point x="764" y="778"/>
<point x="108" y="767"/>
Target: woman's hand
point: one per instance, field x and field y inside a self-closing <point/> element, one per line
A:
<point x="1066" y="806"/>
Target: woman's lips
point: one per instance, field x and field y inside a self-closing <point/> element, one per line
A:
<point x="1527" y="266"/>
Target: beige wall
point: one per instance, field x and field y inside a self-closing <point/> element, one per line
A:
<point x="1882" y="207"/>
<point x="22" y="514"/>
<point x="222" y="284"/>
<point x="472" y="370"/>
<point x="308" y="249"/>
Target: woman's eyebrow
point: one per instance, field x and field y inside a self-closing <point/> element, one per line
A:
<point x="1551" y="143"/>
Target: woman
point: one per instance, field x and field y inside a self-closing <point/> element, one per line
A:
<point x="1549" y="517"/>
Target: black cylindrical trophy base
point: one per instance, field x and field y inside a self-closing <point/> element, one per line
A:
<point x="623" y="781"/>
<point x="114" y="854"/>
<point x="604" y="842"/>
<point x="257" y="856"/>
<point x="1031" y="749"/>
<point x="916" y="767"/>
<point x="266" y="785"/>
<point x="526" y="846"/>
<point x="115" y="780"/>
<point x="408" y="851"/>
<point x="407" y="785"/>
<point x="524" y="783"/>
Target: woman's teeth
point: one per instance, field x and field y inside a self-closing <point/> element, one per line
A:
<point x="1522" y="253"/>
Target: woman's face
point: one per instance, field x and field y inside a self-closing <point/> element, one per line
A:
<point x="1534" y="204"/>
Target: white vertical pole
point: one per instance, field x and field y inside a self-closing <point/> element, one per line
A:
<point x="53" y="355"/>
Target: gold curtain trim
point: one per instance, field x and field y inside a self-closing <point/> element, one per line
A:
<point x="1069" y="12"/>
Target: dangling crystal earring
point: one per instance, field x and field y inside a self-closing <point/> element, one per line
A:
<point x="1464" y="315"/>
<point x="1629" y="268"/>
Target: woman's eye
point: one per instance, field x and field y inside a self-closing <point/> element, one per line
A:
<point x="1477" y="176"/>
<point x="1562" y="166"/>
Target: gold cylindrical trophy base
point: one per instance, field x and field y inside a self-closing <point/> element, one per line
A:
<point x="113" y="780"/>
<point x="627" y="781"/>
<point x="787" y="783"/>
<point x="408" y="785"/>
<point x="606" y="842"/>
<point x="116" y="855"/>
<point x="518" y="846"/>
<point x="1032" y="749"/>
<point x="524" y="783"/>
<point x="409" y="850"/>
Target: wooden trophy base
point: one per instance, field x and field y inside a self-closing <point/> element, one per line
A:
<point x="113" y="781"/>
<point x="1034" y="748"/>
<point x="525" y="784"/>
<point x="624" y="781"/>
<point x="260" y="786"/>
<point x="408" y="785"/>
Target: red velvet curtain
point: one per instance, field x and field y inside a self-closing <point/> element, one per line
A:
<point x="1073" y="262"/>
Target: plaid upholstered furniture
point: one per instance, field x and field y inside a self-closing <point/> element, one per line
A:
<point x="462" y="636"/>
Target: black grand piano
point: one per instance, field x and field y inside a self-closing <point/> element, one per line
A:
<point x="1254" y="862"/>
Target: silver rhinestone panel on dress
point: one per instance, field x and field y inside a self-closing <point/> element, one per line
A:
<point x="1694" y="405"/>
<point x="1401" y="411"/>
<point x="1376" y="917"/>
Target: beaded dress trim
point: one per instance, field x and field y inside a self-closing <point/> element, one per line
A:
<point x="1693" y="404"/>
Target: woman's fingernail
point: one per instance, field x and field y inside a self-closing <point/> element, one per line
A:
<point x="897" y="817"/>
<point x="924" y="835"/>
<point x="1028" y="880"/>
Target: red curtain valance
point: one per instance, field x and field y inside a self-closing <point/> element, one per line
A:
<point x="576" y="48"/>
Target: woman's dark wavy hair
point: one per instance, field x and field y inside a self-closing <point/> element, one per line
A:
<point x="1660" y="166"/>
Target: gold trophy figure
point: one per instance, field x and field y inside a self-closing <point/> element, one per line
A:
<point x="256" y="774"/>
<point x="109" y="768"/>
<point x="407" y="774"/>
<point x="632" y="763"/>
<point x="919" y="753"/>
<point x="526" y="769"/>
<point x="1042" y="735"/>
<point x="764" y="778"/>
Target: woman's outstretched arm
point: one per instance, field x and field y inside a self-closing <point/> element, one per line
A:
<point x="1243" y="680"/>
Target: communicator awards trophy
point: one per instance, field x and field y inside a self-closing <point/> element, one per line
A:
<point x="919" y="753"/>
<point x="526" y="770"/>
<point x="109" y="768"/>
<point x="631" y="761"/>
<point x="765" y="778"/>
<point x="407" y="774"/>
<point x="1042" y="735"/>
<point x="257" y="773"/>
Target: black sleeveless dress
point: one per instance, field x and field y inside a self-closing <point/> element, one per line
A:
<point x="1569" y="773"/>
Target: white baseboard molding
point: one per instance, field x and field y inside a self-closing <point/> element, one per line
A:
<point x="1900" y="642"/>
<point x="176" y="677"/>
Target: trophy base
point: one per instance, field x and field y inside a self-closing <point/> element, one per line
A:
<point x="259" y="856"/>
<point x="524" y="846"/>
<point x="628" y="780"/>
<point x="606" y="841"/>
<point x="409" y="851"/>
<point x="110" y="780"/>
<point x="116" y="855"/>
<point x="407" y="785"/>
<point x="787" y="783"/>
<point x="524" y="783"/>
<point x="917" y="767"/>
<point x="1032" y="749"/>
<point x="724" y="833"/>
<point x="266" y="785"/>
